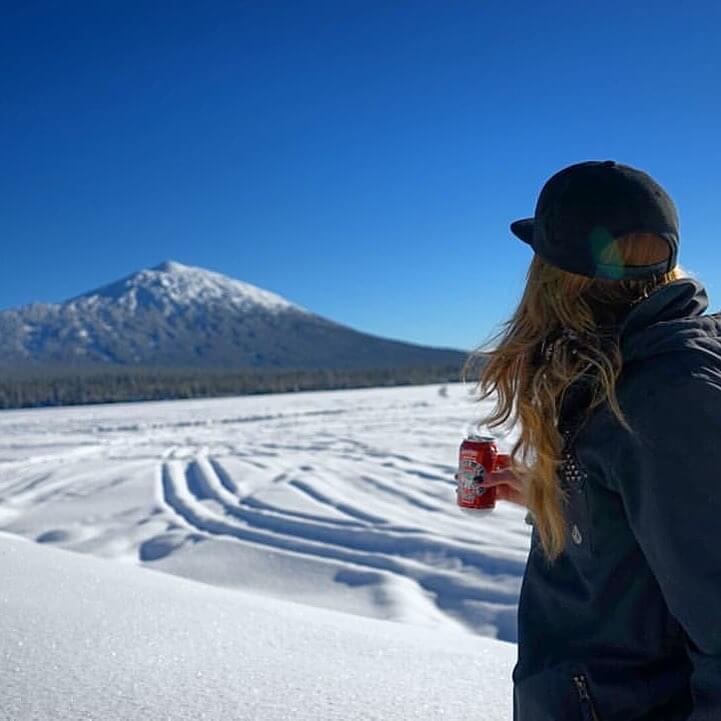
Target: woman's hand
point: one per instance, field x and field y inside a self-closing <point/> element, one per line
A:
<point x="508" y="487"/>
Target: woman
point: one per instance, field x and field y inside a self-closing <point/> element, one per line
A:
<point x="613" y="376"/>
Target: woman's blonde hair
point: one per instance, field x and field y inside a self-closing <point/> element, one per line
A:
<point x="529" y="384"/>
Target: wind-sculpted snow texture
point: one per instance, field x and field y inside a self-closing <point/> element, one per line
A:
<point x="339" y="499"/>
<point x="87" y="639"/>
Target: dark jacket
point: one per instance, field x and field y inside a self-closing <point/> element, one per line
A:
<point x="626" y="624"/>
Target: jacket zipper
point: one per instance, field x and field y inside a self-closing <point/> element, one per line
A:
<point x="585" y="698"/>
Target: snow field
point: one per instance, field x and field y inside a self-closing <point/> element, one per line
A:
<point x="322" y="502"/>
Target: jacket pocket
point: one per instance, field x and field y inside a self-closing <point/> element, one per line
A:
<point x="588" y="709"/>
<point x="549" y="694"/>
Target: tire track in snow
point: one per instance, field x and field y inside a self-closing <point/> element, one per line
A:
<point x="368" y="548"/>
<point x="348" y="510"/>
<point x="393" y="490"/>
<point x="233" y="495"/>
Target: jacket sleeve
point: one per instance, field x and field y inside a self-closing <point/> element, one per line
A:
<point x="669" y="477"/>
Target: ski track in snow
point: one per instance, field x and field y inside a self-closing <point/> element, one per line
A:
<point x="342" y="499"/>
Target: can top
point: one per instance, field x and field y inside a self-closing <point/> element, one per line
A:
<point x="472" y="436"/>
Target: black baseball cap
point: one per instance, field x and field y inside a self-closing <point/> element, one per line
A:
<point x="583" y="208"/>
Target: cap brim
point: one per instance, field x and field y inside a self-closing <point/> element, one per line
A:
<point x="523" y="229"/>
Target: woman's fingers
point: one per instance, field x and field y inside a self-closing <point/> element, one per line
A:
<point x="497" y="478"/>
<point x="505" y="492"/>
<point x="504" y="476"/>
<point x="508" y="487"/>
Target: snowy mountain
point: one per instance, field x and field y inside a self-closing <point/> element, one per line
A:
<point x="175" y="315"/>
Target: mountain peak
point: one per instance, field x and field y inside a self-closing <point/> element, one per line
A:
<point x="171" y="286"/>
<point x="170" y="266"/>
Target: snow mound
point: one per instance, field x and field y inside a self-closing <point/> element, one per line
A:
<point x="87" y="638"/>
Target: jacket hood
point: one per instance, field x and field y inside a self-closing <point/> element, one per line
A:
<point x="669" y="319"/>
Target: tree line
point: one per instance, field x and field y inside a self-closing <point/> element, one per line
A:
<point x="30" y="388"/>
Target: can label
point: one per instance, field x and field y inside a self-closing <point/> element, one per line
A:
<point x="470" y="474"/>
<point x="477" y="456"/>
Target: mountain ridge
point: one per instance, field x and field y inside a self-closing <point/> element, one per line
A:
<point x="175" y="315"/>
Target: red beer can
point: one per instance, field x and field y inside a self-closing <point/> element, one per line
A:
<point x="477" y="456"/>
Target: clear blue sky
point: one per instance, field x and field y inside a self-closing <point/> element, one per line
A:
<point x="361" y="158"/>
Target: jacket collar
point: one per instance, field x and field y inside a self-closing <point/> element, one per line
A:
<point x="674" y="304"/>
<point x="678" y="299"/>
<point x="651" y="327"/>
